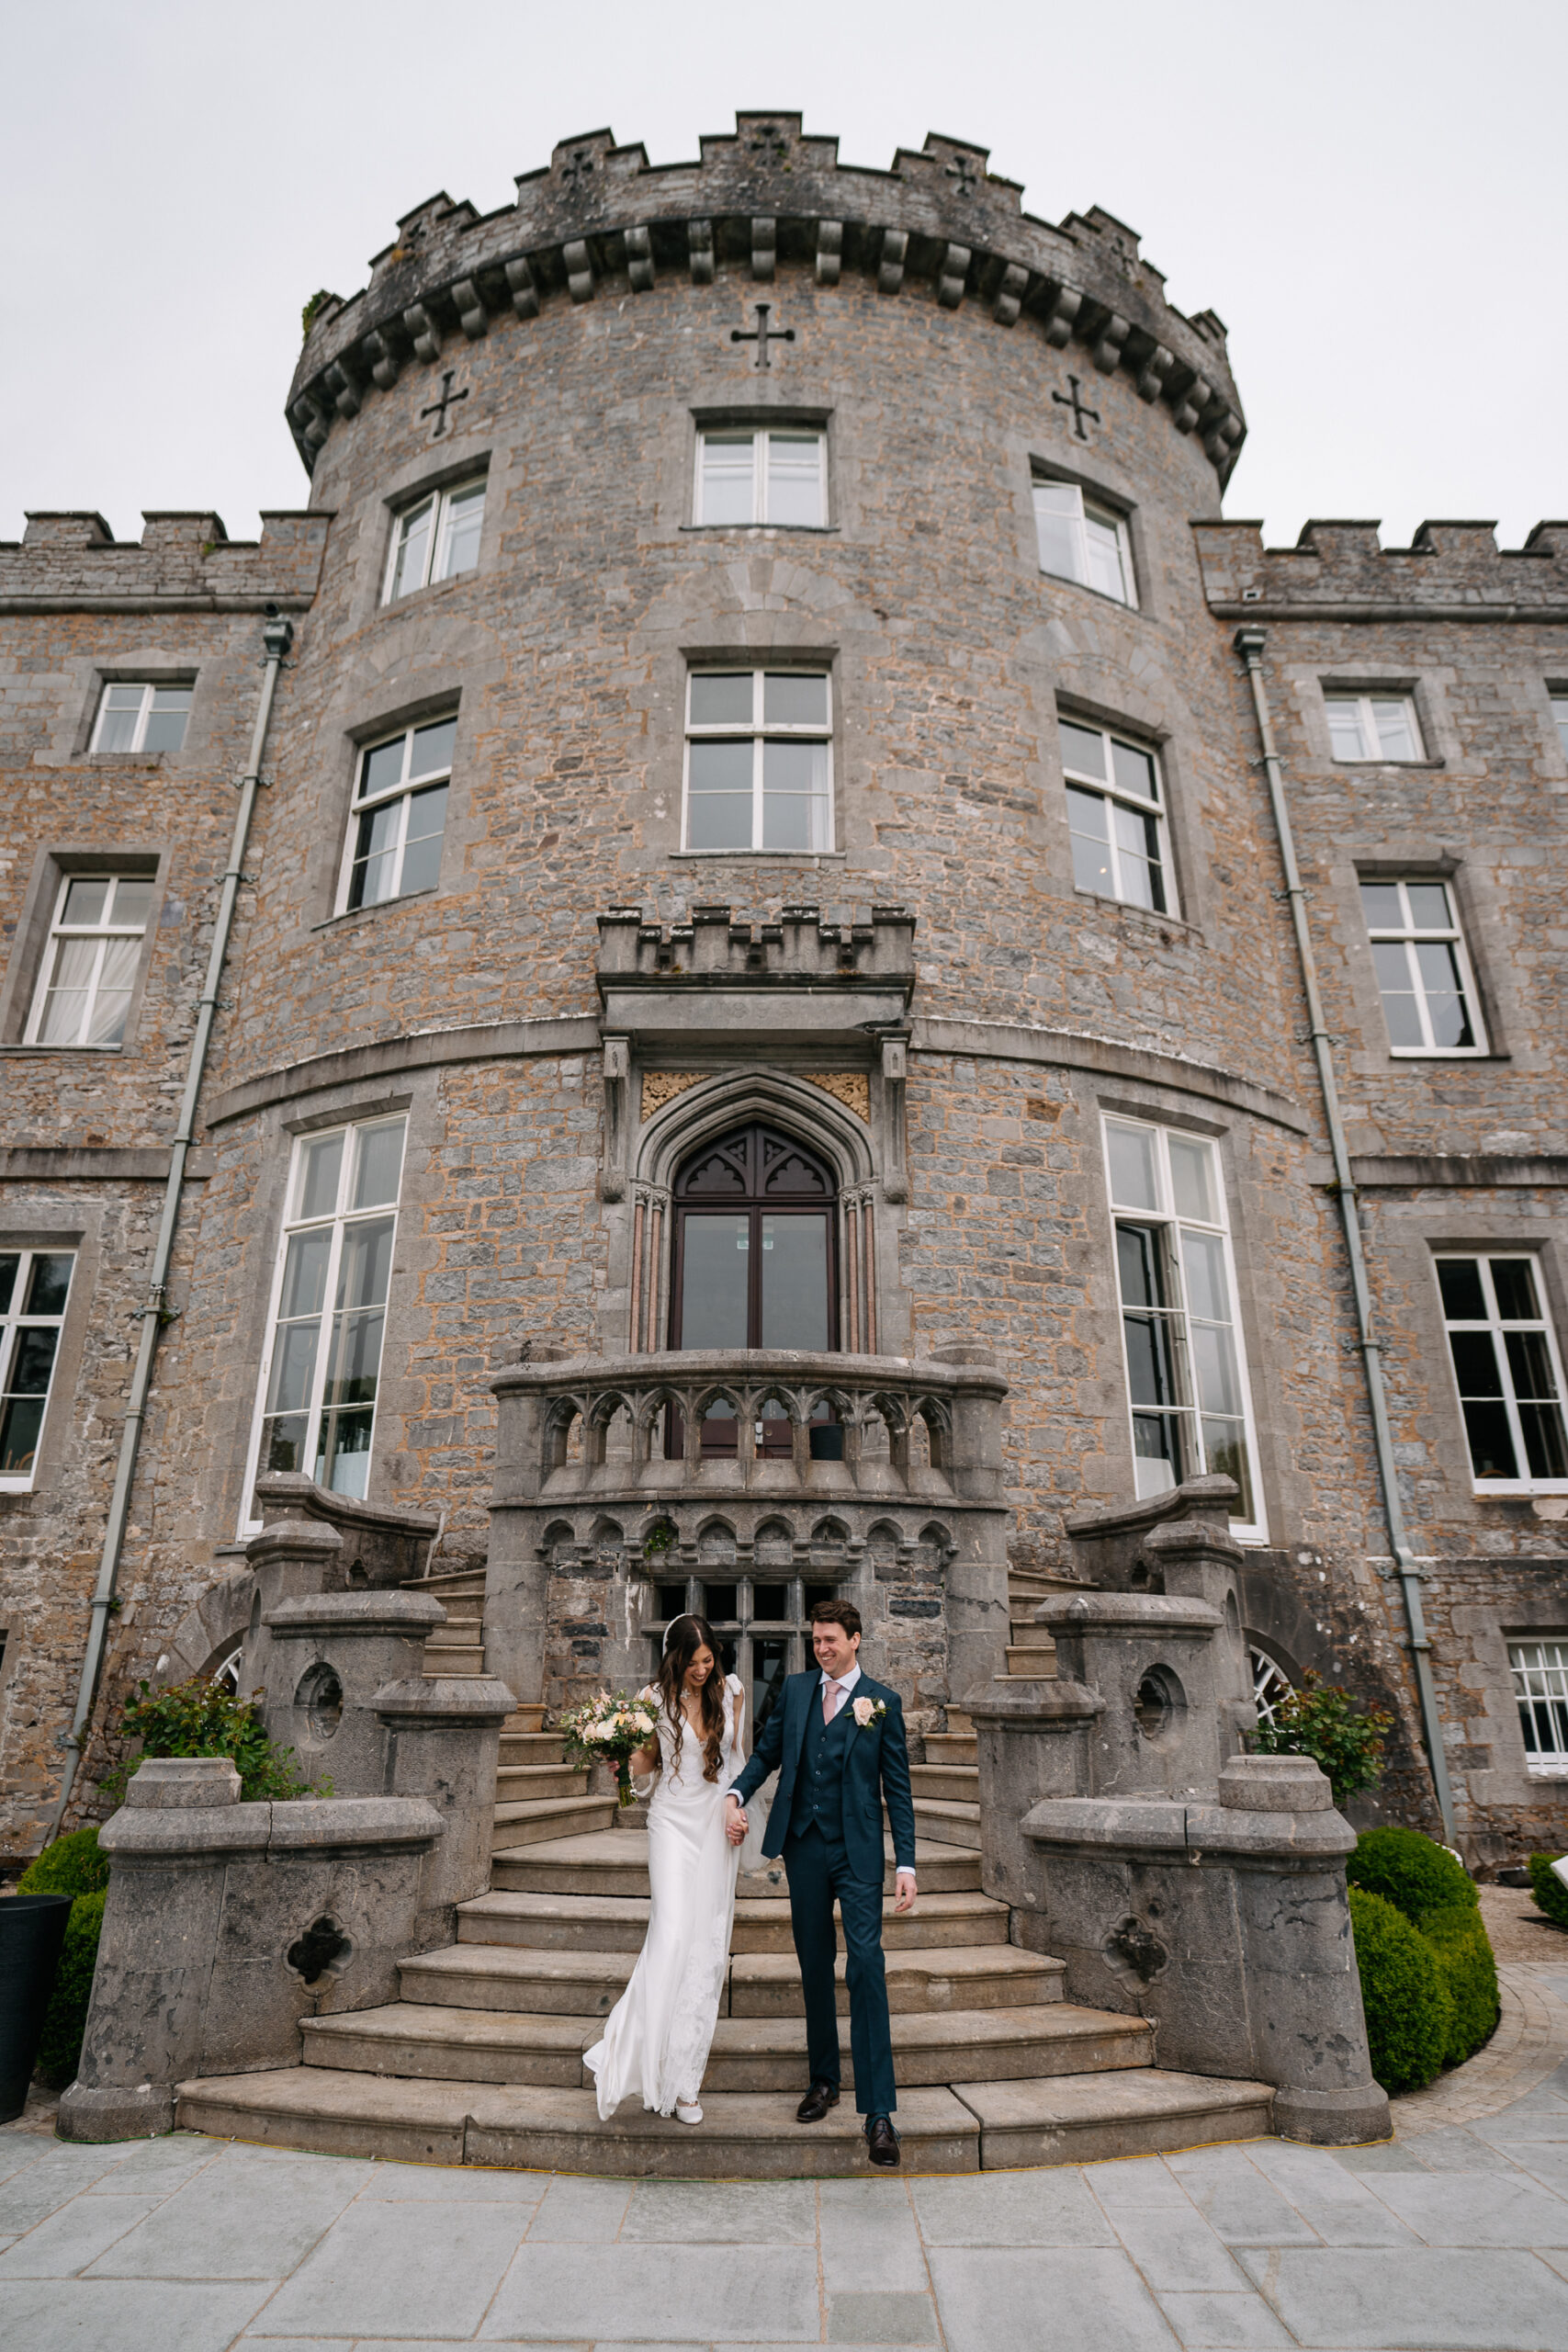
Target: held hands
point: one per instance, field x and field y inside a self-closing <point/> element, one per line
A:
<point x="904" y="1891"/>
<point x="735" y="1821"/>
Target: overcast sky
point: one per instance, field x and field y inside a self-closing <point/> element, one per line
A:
<point x="1371" y="195"/>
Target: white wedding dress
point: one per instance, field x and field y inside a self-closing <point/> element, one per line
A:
<point x="657" y="2037"/>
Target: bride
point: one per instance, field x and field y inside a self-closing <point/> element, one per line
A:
<point x="657" y="2037"/>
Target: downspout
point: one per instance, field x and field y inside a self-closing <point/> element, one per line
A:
<point x="1250" y="643"/>
<point x="276" y="635"/>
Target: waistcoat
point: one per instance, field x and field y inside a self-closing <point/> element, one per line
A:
<point x="820" y="1778"/>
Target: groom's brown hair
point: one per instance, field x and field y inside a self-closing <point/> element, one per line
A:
<point x="838" y="1613"/>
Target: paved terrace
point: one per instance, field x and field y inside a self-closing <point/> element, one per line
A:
<point x="1456" y="2233"/>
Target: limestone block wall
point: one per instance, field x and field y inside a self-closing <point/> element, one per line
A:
<point x="951" y="350"/>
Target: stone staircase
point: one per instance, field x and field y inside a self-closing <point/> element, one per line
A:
<point x="947" y="1785"/>
<point x="479" y="2061"/>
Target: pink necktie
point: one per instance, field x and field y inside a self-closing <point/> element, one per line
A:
<point x="831" y="1695"/>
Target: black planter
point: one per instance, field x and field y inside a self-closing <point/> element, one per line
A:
<point x="32" y="1930"/>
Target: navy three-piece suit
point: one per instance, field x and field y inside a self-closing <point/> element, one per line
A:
<point x="826" y="1822"/>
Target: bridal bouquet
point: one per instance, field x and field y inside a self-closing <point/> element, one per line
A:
<point x="612" y="1730"/>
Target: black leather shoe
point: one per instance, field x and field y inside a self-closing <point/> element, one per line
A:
<point x="818" y="2100"/>
<point x="881" y="2140"/>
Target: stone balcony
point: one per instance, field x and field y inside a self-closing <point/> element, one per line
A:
<point x="628" y="1487"/>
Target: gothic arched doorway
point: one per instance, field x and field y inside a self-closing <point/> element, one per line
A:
<point x="755" y="1236"/>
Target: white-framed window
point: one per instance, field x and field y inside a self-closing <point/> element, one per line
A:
<point x="321" y="1366"/>
<point x="1540" y="1689"/>
<point x="1081" y="541"/>
<point x="778" y="477"/>
<point x="90" y="962"/>
<point x="436" y="539"/>
<point x="1116" y="816"/>
<point x="141" y="718"/>
<point x="1507" y="1372"/>
<point x="1424" y="975"/>
<point x="1559" y="713"/>
<point x="759" y="760"/>
<point x="34" y="1287"/>
<point x="1187" y="1386"/>
<point x="1373" y="727"/>
<point x="398" y="819"/>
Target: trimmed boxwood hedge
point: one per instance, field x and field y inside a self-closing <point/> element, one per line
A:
<point x="1434" y="1895"/>
<point x="1405" y="1992"/>
<point x="66" y="2019"/>
<point x="1550" y="1895"/>
<point x="72" y="1865"/>
<point x="1460" y="1941"/>
<point x="1410" y="1872"/>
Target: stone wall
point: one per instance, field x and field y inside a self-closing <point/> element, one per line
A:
<point x="944" y="384"/>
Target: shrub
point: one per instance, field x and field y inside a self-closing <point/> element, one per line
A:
<point x="1413" y="1873"/>
<point x="1405" y="1993"/>
<point x="1323" y="1721"/>
<point x="1550" y="1895"/>
<point x="201" y="1718"/>
<point x="1456" y="1934"/>
<point x="65" y="2021"/>
<point x="72" y="1865"/>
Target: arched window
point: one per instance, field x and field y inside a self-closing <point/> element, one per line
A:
<point x="1271" y="1683"/>
<point x="755" y="1259"/>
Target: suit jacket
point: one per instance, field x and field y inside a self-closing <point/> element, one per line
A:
<point x="875" y="1763"/>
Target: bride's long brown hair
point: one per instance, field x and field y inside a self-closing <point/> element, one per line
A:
<point x="685" y="1638"/>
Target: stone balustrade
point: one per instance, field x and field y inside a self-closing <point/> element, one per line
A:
<point x="877" y="1476"/>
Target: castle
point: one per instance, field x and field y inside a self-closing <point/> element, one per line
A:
<point x="758" y="955"/>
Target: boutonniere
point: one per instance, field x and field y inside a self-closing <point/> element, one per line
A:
<point x="868" y="1711"/>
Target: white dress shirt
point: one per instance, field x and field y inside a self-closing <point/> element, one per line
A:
<point x="846" y="1683"/>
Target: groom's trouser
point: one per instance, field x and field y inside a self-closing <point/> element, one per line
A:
<point x="818" y="1869"/>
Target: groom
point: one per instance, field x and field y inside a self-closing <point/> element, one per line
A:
<point x="837" y="1743"/>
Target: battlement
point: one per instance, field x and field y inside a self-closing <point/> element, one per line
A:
<point x="800" y="949"/>
<point x="938" y="226"/>
<point x="182" y="562"/>
<point x="1343" y="570"/>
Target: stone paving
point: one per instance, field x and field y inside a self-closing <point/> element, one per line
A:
<point x="1454" y="2234"/>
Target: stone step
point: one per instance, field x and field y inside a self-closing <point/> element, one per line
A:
<point x="951" y="1748"/>
<point x="1027" y="1636"/>
<point x="474" y="1577"/>
<point x="958" y="1720"/>
<point x="525" y="1718"/>
<point x="543" y="2130"/>
<point x="615" y="1861"/>
<point x="1088" y="2119"/>
<point x="748" y="2054"/>
<point x="522" y="1822"/>
<point x="551" y="1922"/>
<point x="514" y="1781"/>
<point x="465" y="1659"/>
<point x="962" y="1780"/>
<point x="531" y="1747"/>
<point x="947" y="1821"/>
<point x="758" y="1984"/>
<point x="982" y="1976"/>
<point x="1032" y="1661"/>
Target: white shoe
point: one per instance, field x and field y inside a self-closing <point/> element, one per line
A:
<point x="688" y="2111"/>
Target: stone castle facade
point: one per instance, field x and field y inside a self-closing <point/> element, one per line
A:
<point x="764" y="923"/>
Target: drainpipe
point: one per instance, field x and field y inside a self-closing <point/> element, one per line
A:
<point x="1249" y="644"/>
<point x="277" y="637"/>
